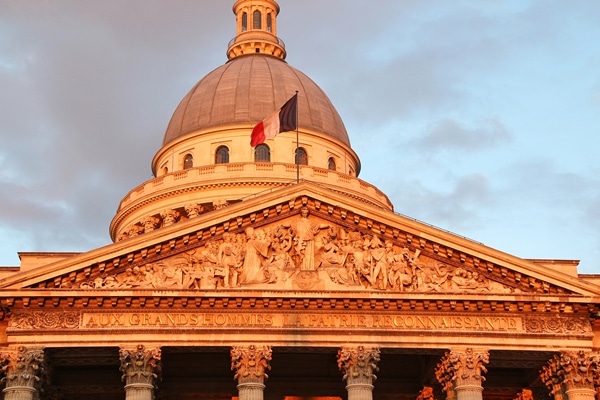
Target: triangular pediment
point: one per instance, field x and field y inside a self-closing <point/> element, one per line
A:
<point x="303" y="238"/>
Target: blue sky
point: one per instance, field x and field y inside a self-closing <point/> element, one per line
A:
<point x="485" y="114"/>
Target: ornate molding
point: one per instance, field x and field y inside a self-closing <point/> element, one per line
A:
<point x="462" y="368"/>
<point x="250" y="363"/>
<point x="358" y="363"/>
<point x="33" y="320"/>
<point x="557" y="324"/>
<point x="140" y="366"/>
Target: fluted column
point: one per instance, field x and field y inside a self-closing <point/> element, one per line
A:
<point x="461" y="374"/>
<point x="140" y="369"/>
<point x="358" y="365"/>
<point x="24" y="368"/>
<point x="250" y="364"/>
<point x="573" y="374"/>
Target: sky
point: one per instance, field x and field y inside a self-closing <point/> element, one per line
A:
<point x="479" y="117"/>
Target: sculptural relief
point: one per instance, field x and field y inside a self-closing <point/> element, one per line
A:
<point x="304" y="252"/>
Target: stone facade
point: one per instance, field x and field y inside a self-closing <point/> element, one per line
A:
<point x="273" y="280"/>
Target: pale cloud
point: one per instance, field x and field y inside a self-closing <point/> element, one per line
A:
<point x="449" y="134"/>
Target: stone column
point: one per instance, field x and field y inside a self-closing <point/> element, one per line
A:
<point x="572" y="375"/>
<point x="140" y="369"/>
<point x="358" y="364"/>
<point x="461" y="374"/>
<point x="250" y="364"/>
<point x="24" y="368"/>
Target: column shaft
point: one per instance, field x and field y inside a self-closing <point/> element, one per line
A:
<point x="469" y="392"/>
<point x="581" y="394"/>
<point x="359" y="391"/>
<point x="19" y="393"/>
<point x="138" y="391"/>
<point x="251" y="391"/>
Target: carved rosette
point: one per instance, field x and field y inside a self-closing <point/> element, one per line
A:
<point x="23" y="369"/>
<point x="572" y="373"/>
<point x="141" y="369"/>
<point x="462" y="372"/>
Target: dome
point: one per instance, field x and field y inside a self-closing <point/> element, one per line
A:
<point x="246" y="90"/>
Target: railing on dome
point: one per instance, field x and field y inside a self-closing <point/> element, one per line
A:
<point x="259" y="35"/>
<point x="250" y="171"/>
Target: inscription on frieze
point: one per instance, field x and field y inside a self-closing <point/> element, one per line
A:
<point x="22" y="320"/>
<point x="220" y="320"/>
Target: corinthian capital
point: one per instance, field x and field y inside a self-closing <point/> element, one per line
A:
<point x="23" y="367"/>
<point x="358" y="362"/>
<point x="458" y="368"/>
<point x="140" y="365"/>
<point x="250" y="363"/>
<point x="574" y="370"/>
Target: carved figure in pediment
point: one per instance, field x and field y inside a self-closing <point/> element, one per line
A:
<point x="431" y="276"/>
<point x="306" y="231"/>
<point x="378" y="261"/>
<point x="401" y="273"/>
<point x="358" y="259"/>
<point x="257" y="251"/>
<point x="132" y="278"/>
<point x="229" y="264"/>
<point x="172" y="275"/>
<point x="280" y="265"/>
<point x="333" y="259"/>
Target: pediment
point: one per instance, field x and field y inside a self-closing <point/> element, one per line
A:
<point x="302" y="238"/>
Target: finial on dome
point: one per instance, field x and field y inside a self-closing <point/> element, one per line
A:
<point x="256" y="29"/>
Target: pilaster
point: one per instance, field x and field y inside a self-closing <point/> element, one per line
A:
<point x="250" y="364"/>
<point x="358" y="365"/>
<point x="572" y="375"/>
<point x="24" y="368"/>
<point x="140" y="369"/>
<point x="461" y="373"/>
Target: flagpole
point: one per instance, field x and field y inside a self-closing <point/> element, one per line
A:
<point x="297" y="143"/>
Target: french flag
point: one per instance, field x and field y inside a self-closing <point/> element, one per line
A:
<point x="283" y="120"/>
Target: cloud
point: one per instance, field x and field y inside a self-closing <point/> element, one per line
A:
<point x="449" y="134"/>
<point x="463" y="204"/>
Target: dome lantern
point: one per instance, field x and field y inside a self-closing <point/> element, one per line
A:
<point x="256" y="29"/>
